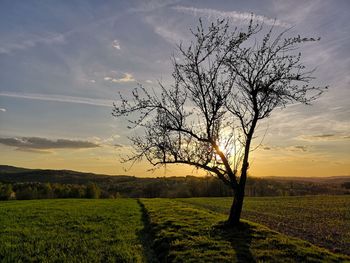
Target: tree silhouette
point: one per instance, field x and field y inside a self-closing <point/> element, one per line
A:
<point x="224" y="83"/>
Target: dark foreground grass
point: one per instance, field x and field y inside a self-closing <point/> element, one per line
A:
<point x="71" y="231"/>
<point x="186" y="233"/>
<point x="321" y="220"/>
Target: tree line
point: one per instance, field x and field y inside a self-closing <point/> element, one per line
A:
<point x="28" y="191"/>
<point x="162" y="187"/>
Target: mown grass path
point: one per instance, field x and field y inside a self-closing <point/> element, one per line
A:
<point x="321" y="220"/>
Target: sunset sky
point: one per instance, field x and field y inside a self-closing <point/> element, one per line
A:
<point x="63" y="62"/>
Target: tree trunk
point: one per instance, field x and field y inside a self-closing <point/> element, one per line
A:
<point x="236" y="207"/>
<point x="237" y="204"/>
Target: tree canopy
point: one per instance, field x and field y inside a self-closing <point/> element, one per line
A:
<point x="225" y="81"/>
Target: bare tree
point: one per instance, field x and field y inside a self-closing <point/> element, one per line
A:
<point x="224" y="83"/>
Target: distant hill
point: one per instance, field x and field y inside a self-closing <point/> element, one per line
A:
<point x="16" y="174"/>
<point x="183" y="186"/>
<point x="12" y="169"/>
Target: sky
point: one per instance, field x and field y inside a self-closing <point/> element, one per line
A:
<point x="62" y="64"/>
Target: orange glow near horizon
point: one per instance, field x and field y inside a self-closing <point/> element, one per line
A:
<point x="106" y="161"/>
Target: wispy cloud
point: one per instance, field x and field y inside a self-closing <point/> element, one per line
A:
<point x="288" y="11"/>
<point x="292" y="148"/>
<point x="234" y="15"/>
<point x="298" y="148"/>
<point x="169" y="35"/>
<point x="166" y="29"/>
<point x="3" y="110"/>
<point x="324" y="137"/>
<point x="38" y="143"/>
<point x="149" y="6"/>
<point x="58" y="98"/>
<point x="40" y="151"/>
<point x="53" y="38"/>
<point x="116" y="44"/>
<point x="126" y="78"/>
<point x="87" y="80"/>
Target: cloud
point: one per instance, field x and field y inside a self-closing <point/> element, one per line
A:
<point x="86" y="80"/>
<point x="288" y="11"/>
<point x="324" y="137"/>
<point x="34" y="150"/>
<point x="297" y="148"/>
<point x="127" y="78"/>
<point x="53" y="38"/>
<point x="149" y="6"/>
<point x="234" y="15"/>
<point x="167" y="34"/>
<point x="115" y="44"/>
<point x="293" y="148"/>
<point x="266" y="148"/>
<point x="58" y="98"/>
<point x="3" y="110"/>
<point x="107" y="141"/>
<point x="167" y="29"/>
<point x="34" y="144"/>
<point x="149" y="81"/>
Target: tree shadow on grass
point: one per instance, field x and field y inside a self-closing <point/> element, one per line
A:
<point x="240" y="238"/>
<point x="146" y="236"/>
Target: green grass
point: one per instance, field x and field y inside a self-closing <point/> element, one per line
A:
<point x="70" y="231"/>
<point x="185" y="233"/>
<point x="151" y="230"/>
<point x="322" y="220"/>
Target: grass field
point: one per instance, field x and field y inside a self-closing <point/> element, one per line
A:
<point x="186" y="233"/>
<point x="70" y="231"/>
<point x="149" y="230"/>
<point x="322" y="220"/>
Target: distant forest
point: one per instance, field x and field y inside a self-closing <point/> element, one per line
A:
<point x="24" y="184"/>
